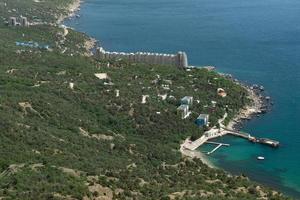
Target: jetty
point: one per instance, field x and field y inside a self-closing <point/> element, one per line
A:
<point x="219" y="132"/>
<point x="217" y="147"/>
<point x="266" y="141"/>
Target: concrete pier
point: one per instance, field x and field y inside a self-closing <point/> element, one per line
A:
<point x="266" y="141"/>
<point x="215" y="133"/>
<point x="217" y="147"/>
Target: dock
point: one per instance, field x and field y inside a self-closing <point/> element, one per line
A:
<point x="217" y="147"/>
<point x="215" y="133"/>
<point x="219" y="132"/>
<point x="266" y="141"/>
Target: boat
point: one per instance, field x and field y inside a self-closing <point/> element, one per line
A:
<point x="260" y="158"/>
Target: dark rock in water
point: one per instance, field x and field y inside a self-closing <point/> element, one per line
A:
<point x="261" y="88"/>
<point x="264" y="111"/>
<point x="263" y="107"/>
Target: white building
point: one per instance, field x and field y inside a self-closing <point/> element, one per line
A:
<point x="13" y="21"/>
<point x="24" y="21"/>
<point x="183" y="111"/>
<point x="187" y="100"/>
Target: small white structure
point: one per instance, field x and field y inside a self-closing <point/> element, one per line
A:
<point x="144" y="99"/>
<point x="221" y="92"/>
<point x="172" y="97"/>
<point x="163" y="96"/>
<point x="71" y="85"/>
<point x="187" y="100"/>
<point x="108" y="83"/>
<point x="168" y="82"/>
<point x="165" y="87"/>
<point x="117" y="93"/>
<point x="213" y="103"/>
<point x="101" y="76"/>
<point x="183" y="110"/>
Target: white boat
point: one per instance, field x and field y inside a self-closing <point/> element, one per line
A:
<point x="260" y="158"/>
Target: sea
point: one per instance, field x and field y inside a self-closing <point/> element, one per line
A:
<point x="256" y="41"/>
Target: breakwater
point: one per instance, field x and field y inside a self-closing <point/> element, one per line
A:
<point x="179" y="60"/>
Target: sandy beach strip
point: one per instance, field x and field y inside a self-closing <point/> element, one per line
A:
<point x="195" y="154"/>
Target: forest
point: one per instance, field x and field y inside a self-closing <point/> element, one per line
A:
<point x="66" y="134"/>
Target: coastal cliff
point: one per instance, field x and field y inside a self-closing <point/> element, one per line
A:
<point x="77" y="128"/>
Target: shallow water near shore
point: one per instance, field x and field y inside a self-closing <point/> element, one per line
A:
<point x="256" y="41"/>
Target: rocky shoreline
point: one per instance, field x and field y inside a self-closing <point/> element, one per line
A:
<point x="260" y="104"/>
<point x="71" y="9"/>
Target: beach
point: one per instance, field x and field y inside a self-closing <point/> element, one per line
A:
<point x="195" y="154"/>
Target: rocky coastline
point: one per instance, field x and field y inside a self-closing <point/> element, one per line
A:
<point x="261" y="104"/>
<point x="72" y="9"/>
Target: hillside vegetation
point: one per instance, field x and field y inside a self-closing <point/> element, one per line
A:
<point x="66" y="134"/>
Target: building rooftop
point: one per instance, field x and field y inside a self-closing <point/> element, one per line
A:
<point x="182" y="107"/>
<point x="187" y="98"/>
<point x="201" y="116"/>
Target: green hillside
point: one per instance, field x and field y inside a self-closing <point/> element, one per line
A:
<point x="66" y="134"/>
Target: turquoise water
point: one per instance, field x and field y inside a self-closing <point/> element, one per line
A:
<point x="256" y="41"/>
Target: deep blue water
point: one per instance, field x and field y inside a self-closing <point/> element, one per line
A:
<point x="256" y="41"/>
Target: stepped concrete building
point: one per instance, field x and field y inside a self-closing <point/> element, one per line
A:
<point x="24" y="21"/>
<point x="13" y="21"/>
<point x="179" y="60"/>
